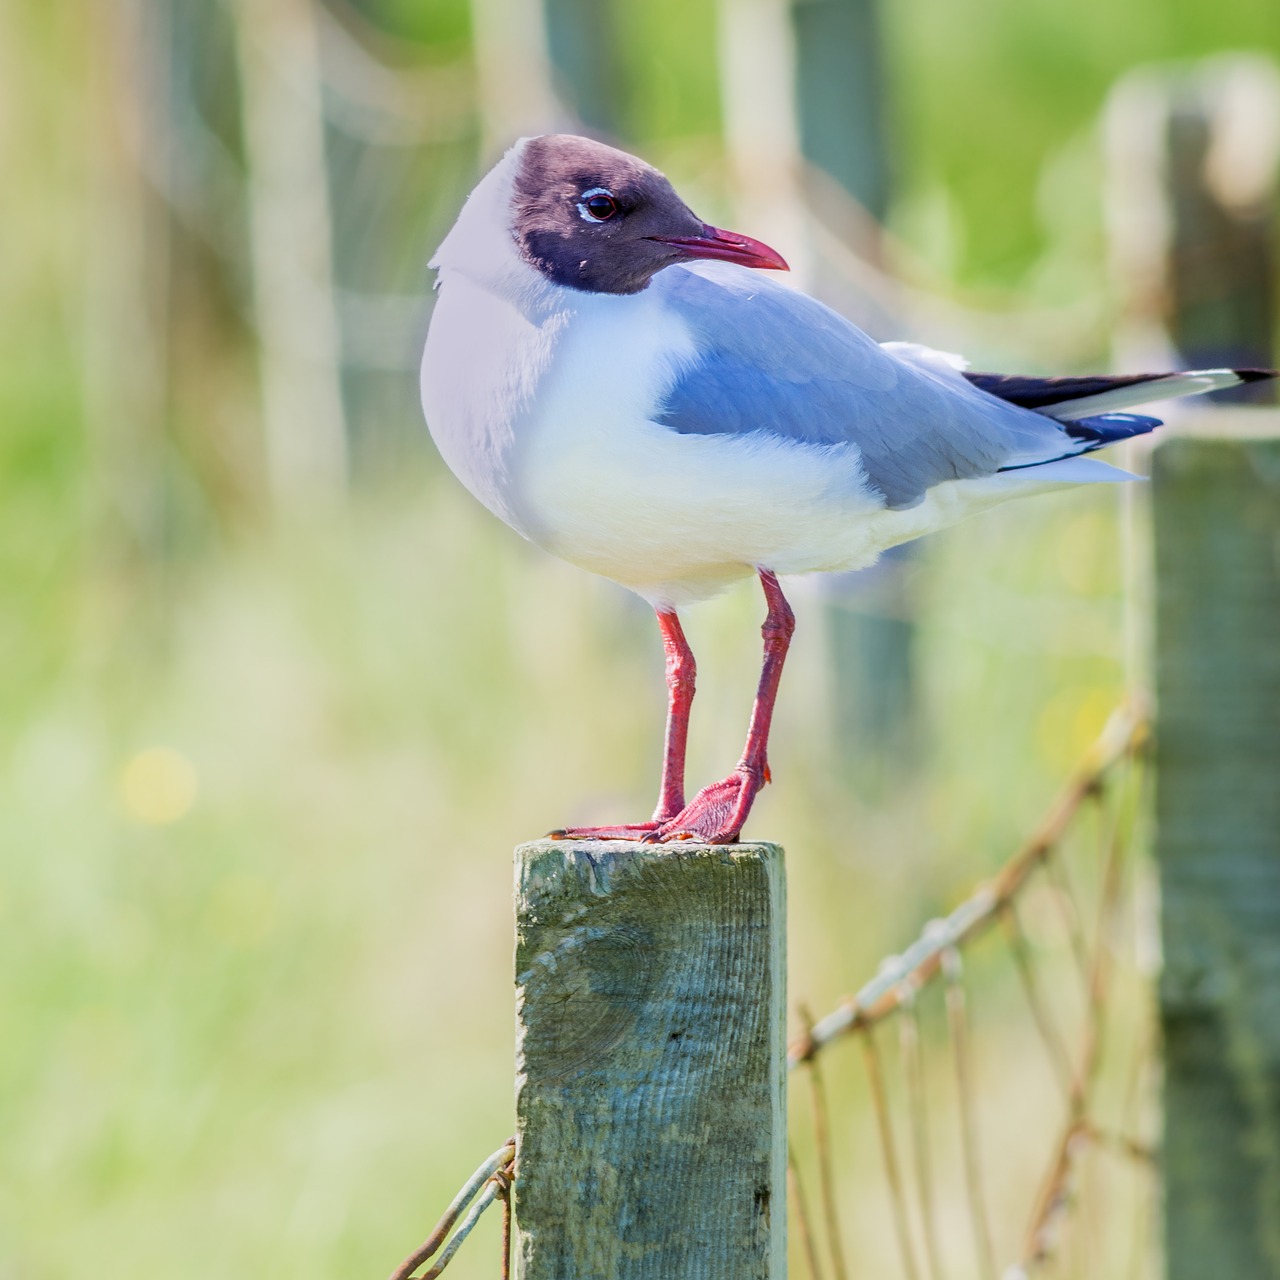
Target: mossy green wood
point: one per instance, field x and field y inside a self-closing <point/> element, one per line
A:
<point x="1217" y="532"/>
<point x="651" y="1080"/>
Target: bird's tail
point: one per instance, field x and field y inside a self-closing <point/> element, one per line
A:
<point x="1079" y="401"/>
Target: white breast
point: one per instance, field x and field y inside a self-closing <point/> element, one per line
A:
<point x="675" y="517"/>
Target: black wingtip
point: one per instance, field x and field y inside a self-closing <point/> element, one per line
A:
<point x="1256" y="375"/>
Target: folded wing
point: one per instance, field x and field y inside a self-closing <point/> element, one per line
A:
<point x="774" y="361"/>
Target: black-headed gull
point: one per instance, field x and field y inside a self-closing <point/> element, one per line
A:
<point x="615" y="379"/>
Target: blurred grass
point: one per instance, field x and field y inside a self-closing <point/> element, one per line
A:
<point x="259" y="782"/>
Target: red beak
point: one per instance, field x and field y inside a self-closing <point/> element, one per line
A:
<point x="727" y="246"/>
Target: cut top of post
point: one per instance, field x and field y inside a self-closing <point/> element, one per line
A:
<point x="651" y="1061"/>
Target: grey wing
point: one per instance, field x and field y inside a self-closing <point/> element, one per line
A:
<point x="776" y="361"/>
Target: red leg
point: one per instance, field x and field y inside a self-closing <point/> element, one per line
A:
<point x="681" y="675"/>
<point x="717" y="813"/>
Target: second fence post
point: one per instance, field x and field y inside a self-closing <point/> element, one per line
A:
<point x="1217" y="526"/>
<point x="651" y="1062"/>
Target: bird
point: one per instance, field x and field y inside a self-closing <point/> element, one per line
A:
<point x="631" y="389"/>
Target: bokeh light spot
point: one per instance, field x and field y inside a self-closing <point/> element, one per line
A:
<point x="158" y="786"/>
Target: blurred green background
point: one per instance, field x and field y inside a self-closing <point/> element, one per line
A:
<point x="277" y="697"/>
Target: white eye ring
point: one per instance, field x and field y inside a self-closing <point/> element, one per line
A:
<point x="585" y="214"/>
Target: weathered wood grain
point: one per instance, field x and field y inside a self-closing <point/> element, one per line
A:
<point x="651" y="1082"/>
<point x="1217" y="540"/>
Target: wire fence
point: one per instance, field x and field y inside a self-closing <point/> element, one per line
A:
<point x="1072" y="910"/>
<point x="1067" y="890"/>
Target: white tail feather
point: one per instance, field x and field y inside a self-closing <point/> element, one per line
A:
<point x="1118" y="398"/>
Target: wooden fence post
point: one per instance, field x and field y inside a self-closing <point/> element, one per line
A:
<point x="1217" y="546"/>
<point x="651" y="1062"/>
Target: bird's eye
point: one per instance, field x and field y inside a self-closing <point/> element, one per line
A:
<point x="597" y="205"/>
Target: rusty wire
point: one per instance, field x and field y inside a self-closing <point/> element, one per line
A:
<point x="801" y="1203"/>
<point x="491" y="1181"/>
<point x="938" y="953"/>
<point x="826" y="1168"/>
<point x="504" y="1190"/>
<point x="911" y="1061"/>
<point x="1050" y="1034"/>
<point x="884" y="1124"/>
<point x="1056" y="1192"/>
<point x="958" y="1018"/>
<point x="882" y="996"/>
<point x="1065" y="897"/>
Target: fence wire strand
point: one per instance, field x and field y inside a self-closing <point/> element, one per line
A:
<point x="888" y="1150"/>
<point x="1046" y="1025"/>
<point x="801" y="1205"/>
<point x="1073" y="1039"/>
<point x="491" y="1181"/>
<point x="958" y="1019"/>
<point x="912" y="1061"/>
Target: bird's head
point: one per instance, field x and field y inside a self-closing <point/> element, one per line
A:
<point x="594" y="218"/>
